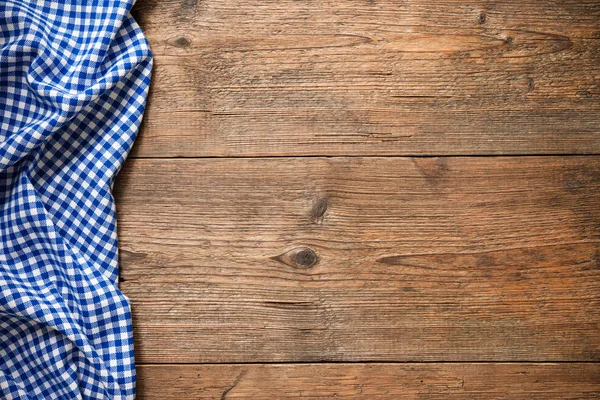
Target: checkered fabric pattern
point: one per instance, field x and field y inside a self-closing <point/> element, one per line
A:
<point x="74" y="76"/>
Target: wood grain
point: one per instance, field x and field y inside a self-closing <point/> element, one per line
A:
<point x="379" y="77"/>
<point x="362" y="259"/>
<point x="370" y="381"/>
<point x="366" y="259"/>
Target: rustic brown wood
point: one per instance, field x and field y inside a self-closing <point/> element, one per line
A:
<point x="362" y="259"/>
<point x="366" y="259"/>
<point x="370" y="381"/>
<point x="379" y="77"/>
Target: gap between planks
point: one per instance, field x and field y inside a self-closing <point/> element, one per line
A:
<point x="402" y="155"/>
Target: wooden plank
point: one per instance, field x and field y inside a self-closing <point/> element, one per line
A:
<point x="370" y="381"/>
<point x="380" y="77"/>
<point x="362" y="259"/>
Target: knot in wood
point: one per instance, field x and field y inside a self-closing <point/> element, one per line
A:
<point x="300" y="257"/>
<point x="319" y="209"/>
<point x="306" y="258"/>
<point x="182" y="42"/>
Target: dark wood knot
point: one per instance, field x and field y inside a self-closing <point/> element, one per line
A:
<point x="306" y="258"/>
<point x="482" y="18"/>
<point x="319" y="209"/>
<point x="300" y="257"/>
<point x="182" y="42"/>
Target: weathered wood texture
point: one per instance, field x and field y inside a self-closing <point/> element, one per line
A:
<point x="366" y="258"/>
<point x="370" y="381"/>
<point x="362" y="259"/>
<point x="378" y="77"/>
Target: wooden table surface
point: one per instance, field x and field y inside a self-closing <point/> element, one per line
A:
<point x="366" y="199"/>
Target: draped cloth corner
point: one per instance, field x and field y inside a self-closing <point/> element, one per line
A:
<point x="74" y="77"/>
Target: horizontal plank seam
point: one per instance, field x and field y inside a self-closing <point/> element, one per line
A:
<point x="369" y="362"/>
<point x="370" y="156"/>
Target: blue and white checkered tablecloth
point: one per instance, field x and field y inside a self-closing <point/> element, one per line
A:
<point x="74" y="76"/>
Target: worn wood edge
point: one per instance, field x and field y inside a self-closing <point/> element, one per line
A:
<point x="369" y="381"/>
